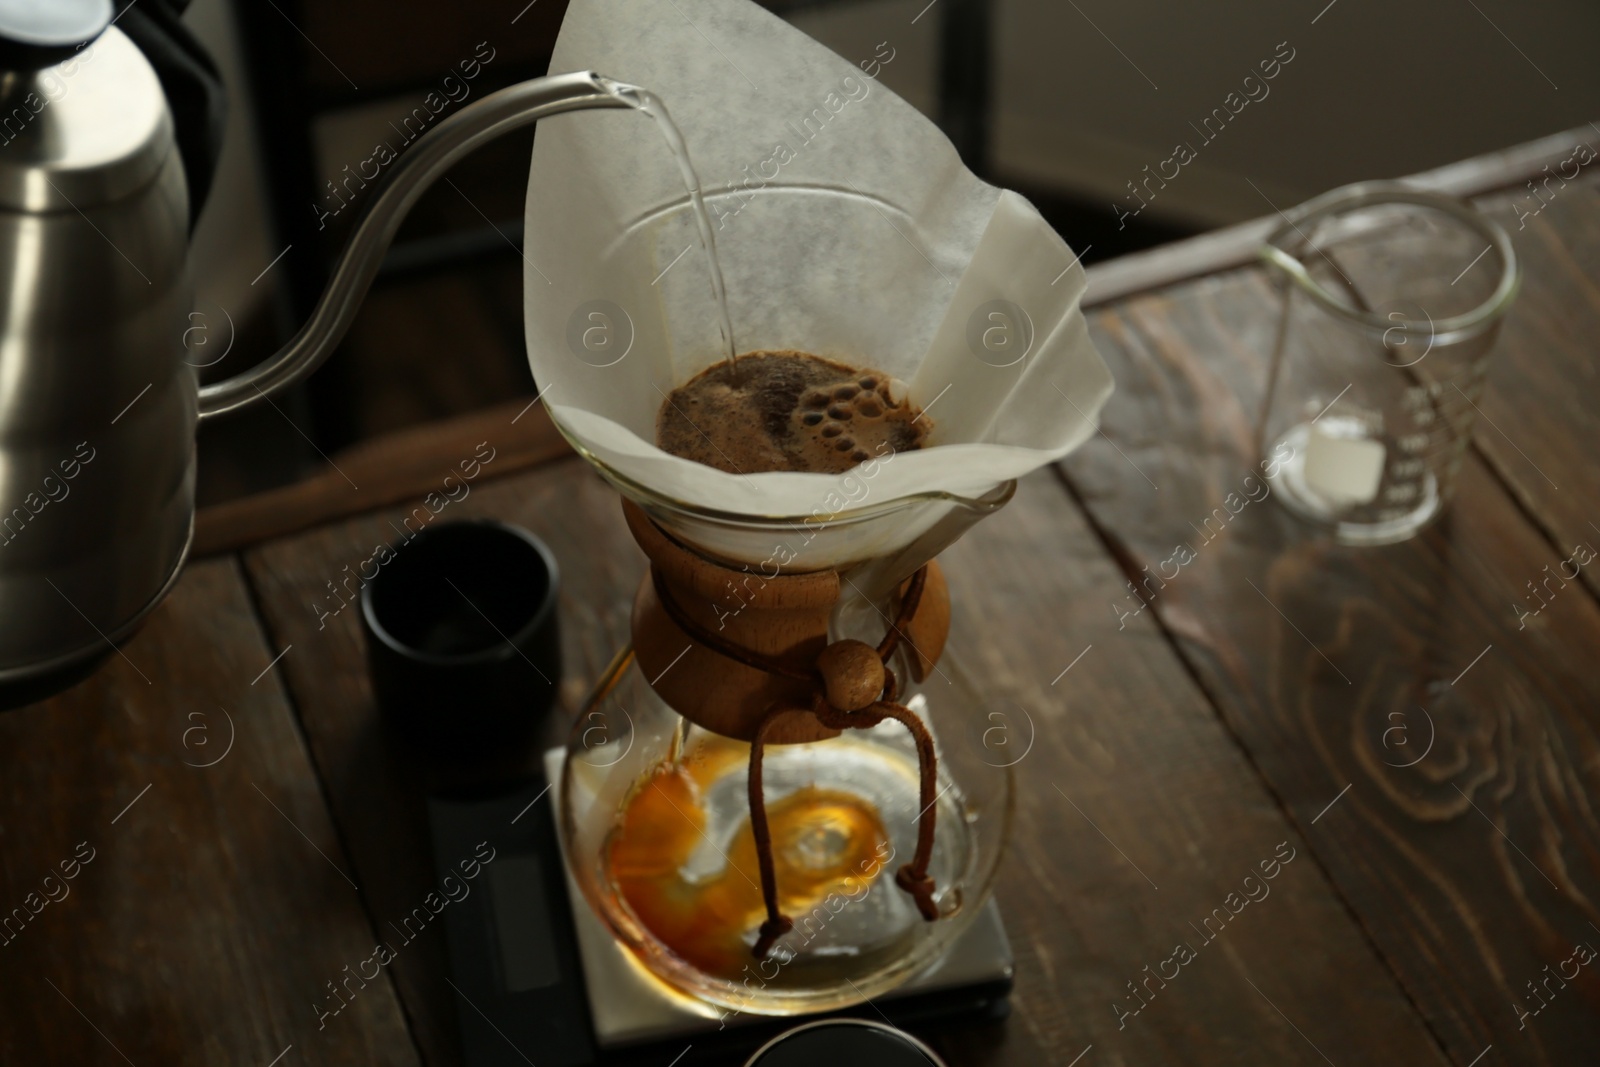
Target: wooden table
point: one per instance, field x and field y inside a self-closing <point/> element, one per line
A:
<point x="248" y="831"/>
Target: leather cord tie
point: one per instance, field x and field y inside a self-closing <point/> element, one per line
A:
<point x="852" y="688"/>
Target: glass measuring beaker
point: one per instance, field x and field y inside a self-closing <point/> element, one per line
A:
<point x="1392" y="302"/>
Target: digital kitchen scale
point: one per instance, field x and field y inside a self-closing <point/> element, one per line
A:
<point x="540" y="980"/>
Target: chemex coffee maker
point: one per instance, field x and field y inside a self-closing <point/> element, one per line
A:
<point x="98" y="406"/>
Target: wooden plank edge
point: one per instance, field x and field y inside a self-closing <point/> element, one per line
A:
<point x="1235" y="246"/>
<point x="387" y="470"/>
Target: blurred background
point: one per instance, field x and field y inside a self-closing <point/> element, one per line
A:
<point x="1078" y="104"/>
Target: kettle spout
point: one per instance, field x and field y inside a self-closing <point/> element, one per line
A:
<point x="432" y="155"/>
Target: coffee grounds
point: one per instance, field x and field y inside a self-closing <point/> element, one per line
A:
<point x="787" y="411"/>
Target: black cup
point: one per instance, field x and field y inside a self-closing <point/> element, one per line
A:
<point x="463" y="640"/>
<point x="844" y="1043"/>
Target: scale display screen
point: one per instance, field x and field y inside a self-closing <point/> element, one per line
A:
<point x="519" y="922"/>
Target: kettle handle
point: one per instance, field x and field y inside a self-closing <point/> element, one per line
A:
<point x="433" y="154"/>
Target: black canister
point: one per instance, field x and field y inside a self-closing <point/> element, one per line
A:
<point x="463" y="639"/>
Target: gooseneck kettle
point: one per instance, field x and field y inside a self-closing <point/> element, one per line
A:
<point x="98" y="407"/>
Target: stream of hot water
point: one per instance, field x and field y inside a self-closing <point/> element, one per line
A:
<point x="650" y="104"/>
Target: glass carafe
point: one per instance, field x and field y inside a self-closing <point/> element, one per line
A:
<point x="656" y="807"/>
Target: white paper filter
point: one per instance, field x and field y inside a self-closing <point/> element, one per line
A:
<point x="846" y="226"/>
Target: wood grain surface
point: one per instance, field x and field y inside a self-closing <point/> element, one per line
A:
<point x="1438" y="759"/>
<point x="1541" y="423"/>
<point x="1125" y="735"/>
<point x="217" y="903"/>
<point x="1137" y="820"/>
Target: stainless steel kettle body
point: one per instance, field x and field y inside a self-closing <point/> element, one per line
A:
<point x="98" y="407"/>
